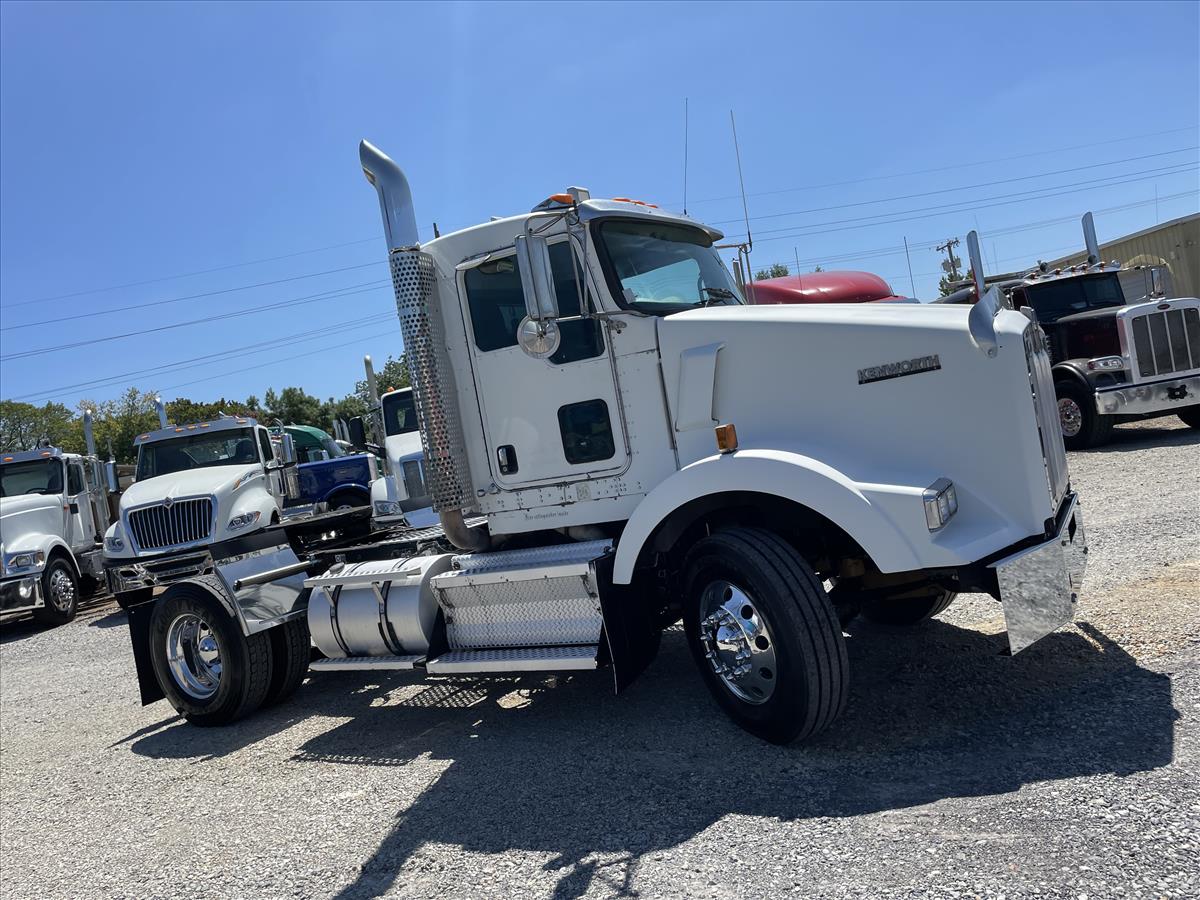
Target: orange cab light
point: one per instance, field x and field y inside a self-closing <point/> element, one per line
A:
<point x="622" y="200"/>
<point x="727" y="440"/>
<point x="8" y="459"/>
<point x="45" y="453"/>
<point x="241" y="421"/>
<point x="203" y="424"/>
<point x="561" y="198"/>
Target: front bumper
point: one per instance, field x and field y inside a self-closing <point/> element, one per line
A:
<point x="21" y="594"/>
<point x="1040" y="585"/>
<point x="133" y="574"/>
<point x="1152" y="397"/>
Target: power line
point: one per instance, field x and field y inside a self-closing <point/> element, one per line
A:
<point x="901" y="215"/>
<point x="336" y="294"/>
<point x="984" y="162"/>
<point x="208" y="358"/>
<point x="133" y="306"/>
<point x="965" y="187"/>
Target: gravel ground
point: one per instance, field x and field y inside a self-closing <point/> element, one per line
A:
<point x="1072" y="769"/>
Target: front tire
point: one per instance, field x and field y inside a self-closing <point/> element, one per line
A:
<point x="764" y="634"/>
<point x="209" y="671"/>
<point x="60" y="593"/>
<point x="1191" y="416"/>
<point x="1082" y="426"/>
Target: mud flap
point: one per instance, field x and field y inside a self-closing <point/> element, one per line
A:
<point x="631" y="634"/>
<point x="139" y="634"/>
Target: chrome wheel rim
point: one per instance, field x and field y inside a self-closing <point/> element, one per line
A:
<point x="60" y="590"/>
<point x="1071" y="417"/>
<point x="737" y="643"/>
<point x="194" y="656"/>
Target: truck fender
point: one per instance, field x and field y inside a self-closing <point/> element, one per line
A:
<point x="356" y="489"/>
<point x="47" y="543"/>
<point x="791" y="476"/>
<point x="1071" y="370"/>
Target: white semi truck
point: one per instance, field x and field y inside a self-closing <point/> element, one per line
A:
<point x="54" y="509"/>
<point x="400" y="497"/>
<point x="195" y="485"/>
<point x="614" y="441"/>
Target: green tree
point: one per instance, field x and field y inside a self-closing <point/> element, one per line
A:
<point x="22" y="425"/>
<point x="293" y="406"/>
<point x="777" y="270"/>
<point x="819" y="269"/>
<point x="948" y="285"/>
<point x="118" y="422"/>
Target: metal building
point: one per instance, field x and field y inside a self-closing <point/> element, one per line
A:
<point x="1174" y="244"/>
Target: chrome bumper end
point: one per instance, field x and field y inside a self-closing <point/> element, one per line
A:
<point x="1040" y="585"/>
<point x="20" y="594"/>
<point x="1141" y="399"/>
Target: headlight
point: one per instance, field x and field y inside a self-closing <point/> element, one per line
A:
<point x="387" y="508"/>
<point x="244" y="520"/>
<point x="114" y="543"/>
<point x="941" y="502"/>
<point x="1105" y="364"/>
<point x="29" y="559"/>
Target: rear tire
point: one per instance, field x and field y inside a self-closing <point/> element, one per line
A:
<point x="1191" y="417"/>
<point x="126" y="599"/>
<point x="764" y="634"/>
<point x="291" y="651"/>
<point x="60" y="593"/>
<point x="1082" y="426"/>
<point x="905" y="612"/>
<point x="212" y="674"/>
<point x="346" y="500"/>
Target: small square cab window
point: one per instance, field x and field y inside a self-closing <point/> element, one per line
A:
<point x="586" y="432"/>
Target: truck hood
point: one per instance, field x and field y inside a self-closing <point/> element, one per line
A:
<point x="400" y="447"/>
<point x="24" y="518"/>
<point x="894" y="394"/>
<point x="189" y="483"/>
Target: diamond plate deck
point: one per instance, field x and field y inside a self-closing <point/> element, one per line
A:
<point x="542" y="659"/>
<point x="363" y="663"/>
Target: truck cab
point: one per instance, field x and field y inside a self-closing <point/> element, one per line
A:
<point x="1113" y="359"/>
<point x="328" y="474"/>
<point x="54" y="510"/>
<point x="195" y="485"/>
<point x="400" y="497"/>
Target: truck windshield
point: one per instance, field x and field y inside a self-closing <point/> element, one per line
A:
<point x="38" y="476"/>
<point x="399" y="414"/>
<point x="197" y="451"/>
<point x="1054" y="299"/>
<point x="661" y="268"/>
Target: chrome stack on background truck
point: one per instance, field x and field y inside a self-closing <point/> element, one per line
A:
<point x="613" y="442"/>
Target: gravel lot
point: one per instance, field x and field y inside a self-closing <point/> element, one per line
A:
<point x="1070" y="770"/>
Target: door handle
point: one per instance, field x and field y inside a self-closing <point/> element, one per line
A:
<point x="507" y="457"/>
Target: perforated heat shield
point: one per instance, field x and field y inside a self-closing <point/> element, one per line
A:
<point x="447" y="475"/>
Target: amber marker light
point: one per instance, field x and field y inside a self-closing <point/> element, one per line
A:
<point x="726" y="438"/>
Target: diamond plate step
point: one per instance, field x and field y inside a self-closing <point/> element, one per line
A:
<point x="363" y="663"/>
<point x="536" y="659"/>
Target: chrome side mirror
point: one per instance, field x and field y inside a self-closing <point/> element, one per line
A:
<point x="538" y="332"/>
<point x="1156" y="282"/>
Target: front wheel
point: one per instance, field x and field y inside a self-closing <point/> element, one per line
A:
<point x="209" y="671"/>
<point x="764" y="634"/>
<point x="1082" y="426"/>
<point x="1191" y="416"/>
<point x="60" y="593"/>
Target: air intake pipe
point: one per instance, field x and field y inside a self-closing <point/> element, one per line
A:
<point x="434" y="396"/>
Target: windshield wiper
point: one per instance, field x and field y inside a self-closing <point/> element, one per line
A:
<point x="715" y="294"/>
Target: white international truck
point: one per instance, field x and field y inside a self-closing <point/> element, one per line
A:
<point x="194" y="485"/>
<point x="614" y="442"/>
<point x="54" y="509"/>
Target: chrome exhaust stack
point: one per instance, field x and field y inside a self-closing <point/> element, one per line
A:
<point x="88" y="438"/>
<point x="1089" y="238"/>
<point x="161" y="408"/>
<point x="421" y="324"/>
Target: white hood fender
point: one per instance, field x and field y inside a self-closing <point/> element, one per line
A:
<point x="33" y="522"/>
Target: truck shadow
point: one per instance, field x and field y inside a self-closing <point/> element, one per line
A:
<point x="560" y="766"/>
<point x="1125" y="439"/>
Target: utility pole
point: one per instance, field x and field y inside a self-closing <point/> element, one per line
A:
<point x="911" y="283"/>
<point x="950" y="266"/>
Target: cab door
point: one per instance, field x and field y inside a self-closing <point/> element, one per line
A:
<point x="550" y="420"/>
<point x="274" y="473"/>
<point x="81" y="522"/>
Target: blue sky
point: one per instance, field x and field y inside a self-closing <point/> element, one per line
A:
<point x="140" y="143"/>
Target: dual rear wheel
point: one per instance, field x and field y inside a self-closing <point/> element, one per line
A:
<point x="212" y="673"/>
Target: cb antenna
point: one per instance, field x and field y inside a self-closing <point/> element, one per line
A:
<point x="685" y="150"/>
<point x="744" y="250"/>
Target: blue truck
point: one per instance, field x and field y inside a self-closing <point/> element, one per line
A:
<point x="328" y="474"/>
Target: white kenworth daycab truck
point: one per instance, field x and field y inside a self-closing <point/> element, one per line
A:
<point x="194" y="485"/>
<point x="54" y="509"/>
<point x="614" y="441"/>
<point x="400" y="497"/>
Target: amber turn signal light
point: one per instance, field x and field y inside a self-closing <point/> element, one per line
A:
<point x="726" y="438"/>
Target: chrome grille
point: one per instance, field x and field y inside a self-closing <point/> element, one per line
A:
<point x="183" y="522"/>
<point x="1166" y="342"/>
<point x="1045" y="407"/>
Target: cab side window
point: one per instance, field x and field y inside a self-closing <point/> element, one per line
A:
<point x="497" y="306"/>
<point x="74" y="479"/>
<point x="264" y="444"/>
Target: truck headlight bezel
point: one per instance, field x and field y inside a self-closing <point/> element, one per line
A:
<point x="115" y="543"/>
<point x="941" y="503"/>
<point x="387" y="508"/>
<point x="23" y="561"/>
<point x="1106" y="364"/>
<point x="244" y="520"/>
